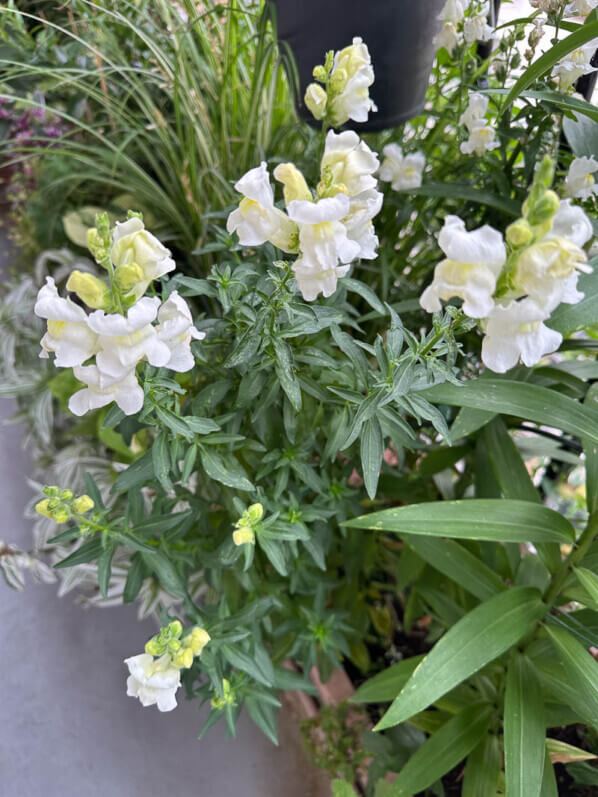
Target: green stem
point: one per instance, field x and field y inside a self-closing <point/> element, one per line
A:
<point x="576" y="555"/>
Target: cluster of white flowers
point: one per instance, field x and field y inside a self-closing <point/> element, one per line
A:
<point x="482" y="136"/>
<point x="116" y="340"/>
<point x="463" y="21"/>
<point x="511" y="295"/>
<point x="402" y="171"/>
<point x="155" y="675"/>
<point x="327" y="230"/>
<point x="347" y="76"/>
<point x="580" y="8"/>
<point x="576" y="64"/>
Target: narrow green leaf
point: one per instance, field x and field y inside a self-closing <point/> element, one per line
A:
<point x="264" y="717"/>
<point x="546" y="61"/>
<point x="507" y="464"/>
<point x="244" y="351"/>
<point x="525" y="730"/>
<point x="285" y="372"/>
<point x="105" y="570"/>
<point x="480" y="637"/>
<point x="483" y="768"/>
<point x="88" y="552"/>
<point x="200" y="425"/>
<point x="442" y="751"/>
<point x="142" y="470"/>
<point x="590" y="450"/>
<point x="456" y="562"/>
<point x="372" y="448"/>
<point x="165" y="572"/>
<point x="589" y="581"/>
<point x="161" y="460"/>
<point x="565" y="101"/>
<point x="531" y="402"/>
<point x="468" y="192"/>
<point x="134" y="580"/>
<point x="174" y="423"/>
<point x="582" y="667"/>
<point x="366" y="293"/>
<point x="227" y="472"/>
<point x="158" y="524"/>
<point x="549" y="787"/>
<point x="495" y="519"/>
<point x="386" y="685"/>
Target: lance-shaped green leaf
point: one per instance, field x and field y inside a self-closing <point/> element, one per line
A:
<point x="442" y="751"/>
<point x="485" y="633"/>
<point x="590" y="449"/>
<point x="589" y="581"/>
<point x="459" y="564"/>
<point x="371" y="448"/>
<point x="507" y="463"/>
<point x="582" y="667"/>
<point x="494" y="519"/>
<point x="525" y="729"/>
<point x="386" y="685"/>
<point x="483" y="769"/>
<point x="531" y="402"/>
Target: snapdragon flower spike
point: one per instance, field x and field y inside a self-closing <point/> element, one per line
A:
<point x="402" y="171"/>
<point x="516" y="331"/>
<point x="354" y="74"/>
<point x="474" y="261"/>
<point x="69" y="336"/>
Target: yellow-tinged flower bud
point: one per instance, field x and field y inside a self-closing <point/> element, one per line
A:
<point x="128" y="275"/>
<point x="89" y="289"/>
<point x="255" y="512"/>
<point x="184" y="658"/>
<point x="61" y="515"/>
<point x="94" y="241"/>
<point x="42" y="508"/>
<point x="338" y="80"/>
<point x="153" y="647"/>
<point x="319" y="73"/>
<point x="243" y="535"/>
<point x="175" y="628"/>
<point x="316" y="100"/>
<point x="66" y="495"/>
<point x="519" y="233"/>
<point x="198" y="639"/>
<point x="82" y="504"/>
<point x="544" y="209"/>
<point x="293" y="181"/>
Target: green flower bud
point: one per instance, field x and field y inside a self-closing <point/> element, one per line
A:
<point x="543" y="209"/>
<point x="51" y="491"/>
<point x="338" y="80"/>
<point x="183" y="659"/>
<point x="66" y="495"/>
<point x="519" y="233"/>
<point x="175" y="628"/>
<point x="82" y="504"/>
<point x="61" y="515"/>
<point x="153" y="647"/>
<point x="316" y="100"/>
<point x="42" y="508"/>
<point x="255" y="512"/>
<point x="319" y="73"/>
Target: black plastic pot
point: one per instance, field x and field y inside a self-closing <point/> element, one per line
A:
<point x="399" y="35"/>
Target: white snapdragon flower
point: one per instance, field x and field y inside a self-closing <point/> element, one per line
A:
<point x="580" y="182"/>
<point x="576" y="64"/>
<point x="548" y="270"/>
<point x="402" y="171"/>
<point x="350" y="162"/>
<point x="582" y="7"/>
<point x="353" y="72"/>
<point x="475" y="111"/>
<point x="126" y="340"/>
<point x="133" y="244"/>
<point x="453" y="11"/>
<point x="324" y="244"/>
<point x="516" y="331"/>
<point x="153" y="681"/>
<point x="257" y="220"/>
<point x="482" y="138"/>
<point x="102" y="390"/>
<point x="447" y="37"/>
<point x="472" y="266"/>
<point x="69" y="336"/>
<point x="358" y="222"/>
<point x="176" y="330"/>
<point x="477" y="29"/>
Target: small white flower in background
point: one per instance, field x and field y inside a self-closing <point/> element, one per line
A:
<point x="477" y="29"/>
<point x="453" y="11"/>
<point x="475" y="111"/>
<point x="324" y="243"/>
<point x="256" y="220"/>
<point x="153" y="681"/>
<point x="447" y="37"/>
<point x="576" y="64"/>
<point x="482" y="138"/>
<point x="473" y="263"/>
<point x="126" y="340"/>
<point x="402" y="171"/>
<point x="351" y="163"/>
<point x="132" y="244"/>
<point x="69" y="336"/>
<point x="176" y="330"/>
<point x="352" y="74"/>
<point x="581" y="7"/>
<point x="102" y="390"/>
<point x="580" y="182"/>
<point x="516" y="331"/>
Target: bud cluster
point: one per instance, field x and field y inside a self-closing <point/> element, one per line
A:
<point x="220" y="702"/>
<point x="61" y="505"/>
<point x="246" y="526"/>
<point x="181" y="649"/>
